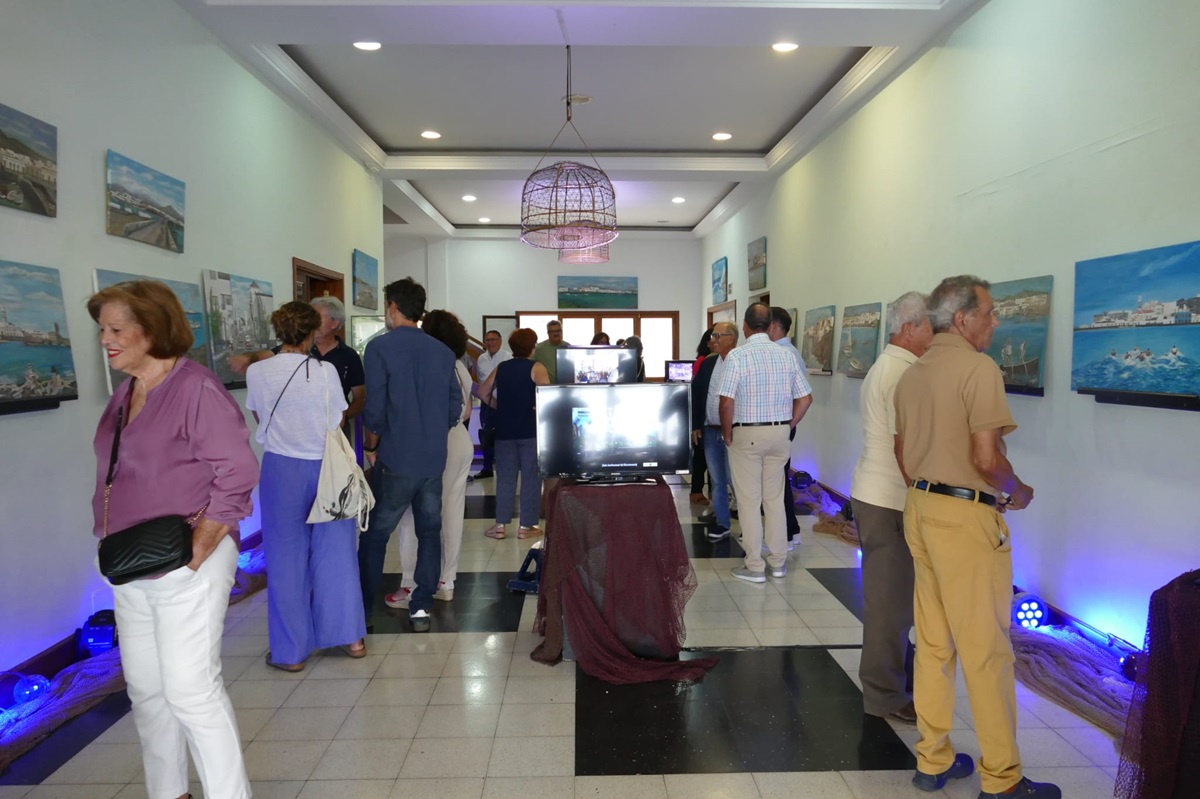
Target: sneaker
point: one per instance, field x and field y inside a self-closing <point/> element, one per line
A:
<point x="779" y="572"/>
<point x="718" y="533"/>
<point x="419" y="620"/>
<point x="963" y="766"/>
<point x="1027" y="789"/>
<point x="742" y="573"/>
<point x="444" y="592"/>
<point x="484" y="474"/>
<point x="399" y="599"/>
<point x="707" y="517"/>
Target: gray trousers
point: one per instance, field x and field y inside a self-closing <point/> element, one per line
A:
<point x="887" y="582"/>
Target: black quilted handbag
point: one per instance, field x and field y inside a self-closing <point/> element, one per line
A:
<point x="148" y="549"/>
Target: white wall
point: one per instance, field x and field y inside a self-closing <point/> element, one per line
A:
<point x="1039" y="135"/>
<point x="263" y="185"/>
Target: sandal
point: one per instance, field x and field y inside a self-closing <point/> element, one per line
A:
<point x="529" y="532"/>
<point x="349" y="649"/>
<point x="291" y="668"/>
<point x="495" y="531"/>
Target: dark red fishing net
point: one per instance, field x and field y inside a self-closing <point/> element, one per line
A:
<point x="1160" y="758"/>
<point x="616" y="572"/>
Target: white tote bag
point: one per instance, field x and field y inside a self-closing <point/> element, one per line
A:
<point x="342" y="490"/>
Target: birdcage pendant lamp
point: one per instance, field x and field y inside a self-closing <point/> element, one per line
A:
<point x="568" y="205"/>
<point x="592" y="255"/>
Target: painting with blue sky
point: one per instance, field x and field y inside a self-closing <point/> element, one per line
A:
<point x="860" y="338"/>
<point x="144" y="204"/>
<point x="597" y="292"/>
<point x="1137" y="322"/>
<point x="35" y="347"/>
<point x="720" y="281"/>
<point x="366" y="280"/>
<point x="28" y="163"/>
<point x="1019" y="343"/>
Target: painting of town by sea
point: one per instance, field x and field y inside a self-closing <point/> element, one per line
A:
<point x="28" y="163"/>
<point x="193" y="306"/>
<point x="144" y="204"/>
<point x="597" y="292"/>
<point x="860" y="339"/>
<point x="239" y="319"/>
<point x="1019" y="344"/>
<point x="35" y="348"/>
<point x="720" y="280"/>
<point x="1137" y="322"/>
<point x="756" y="264"/>
<point x="816" y="345"/>
<point x="366" y="280"/>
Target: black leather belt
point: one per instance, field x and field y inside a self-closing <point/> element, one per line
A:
<point x="760" y="424"/>
<point x="954" y="491"/>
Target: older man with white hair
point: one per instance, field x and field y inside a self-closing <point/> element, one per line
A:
<point x="877" y="494"/>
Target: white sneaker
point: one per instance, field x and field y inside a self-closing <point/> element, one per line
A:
<point x="398" y="599"/>
<point x="780" y="572"/>
<point x="419" y="619"/>
<point x="444" y="592"/>
<point x="742" y="573"/>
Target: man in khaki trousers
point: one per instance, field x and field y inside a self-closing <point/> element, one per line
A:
<point x="951" y="416"/>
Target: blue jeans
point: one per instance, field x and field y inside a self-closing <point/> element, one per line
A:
<point x="513" y="456"/>
<point x="394" y="493"/>
<point x="718" y="472"/>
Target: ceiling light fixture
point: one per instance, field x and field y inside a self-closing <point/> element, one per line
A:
<point x="568" y="205"/>
<point x="678" y="200"/>
<point x="368" y="46"/>
<point x="784" y="47"/>
<point x="483" y="220"/>
<point x="722" y="136"/>
<point x="469" y="198"/>
<point x="430" y="134"/>
<point x="592" y="255"/>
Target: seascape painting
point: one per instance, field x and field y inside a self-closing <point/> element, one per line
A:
<point x="35" y="348"/>
<point x="1019" y="343"/>
<point x="816" y="345"/>
<point x="366" y="281"/>
<point x="756" y="264"/>
<point x="193" y="306"/>
<point x="144" y="204"/>
<point x="28" y="163"/>
<point x="239" y="319"/>
<point x="859" y="345"/>
<point x="720" y="281"/>
<point x="597" y="292"/>
<point x="1137" y="322"/>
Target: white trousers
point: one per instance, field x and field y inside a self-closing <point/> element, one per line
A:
<point x="459" y="454"/>
<point x="170" y="642"/>
<point x="756" y="460"/>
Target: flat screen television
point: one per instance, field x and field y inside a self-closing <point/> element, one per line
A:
<point x="679" y="371"/>
<point x="623" y="430"/>
<point x="579" y="365"/>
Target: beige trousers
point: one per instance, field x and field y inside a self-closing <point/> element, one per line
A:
<point x="756" y="459"/>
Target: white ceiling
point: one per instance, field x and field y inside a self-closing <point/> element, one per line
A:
<point x="663" y="77"/>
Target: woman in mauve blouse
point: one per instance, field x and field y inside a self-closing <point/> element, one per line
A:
<point x="184" y="451"/>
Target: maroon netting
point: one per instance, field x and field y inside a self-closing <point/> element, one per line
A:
<point x="616" y="572"/>
<point x="1160" y="758"/>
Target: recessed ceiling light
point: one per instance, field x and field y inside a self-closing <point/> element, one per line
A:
<point x="722" y="136"/>
<point x="784" y="47"/>
<point x="368" y="45"/>
<point x="469" y="198"/>
<point x="483" y="220"/>
<point x="678" y="200"/>
<point x="430" y="134"/>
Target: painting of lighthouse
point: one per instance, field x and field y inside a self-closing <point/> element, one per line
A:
<point x="239" y="319"/>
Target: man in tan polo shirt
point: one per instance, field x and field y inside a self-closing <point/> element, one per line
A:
<point x="951" y="416"/>
<point x="877" y="493"/>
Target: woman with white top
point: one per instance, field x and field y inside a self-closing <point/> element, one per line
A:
<point x="446" y="328"/>
<point x="314" y="600"/>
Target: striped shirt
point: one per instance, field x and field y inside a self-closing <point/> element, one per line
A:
<point x="762" y="379"/>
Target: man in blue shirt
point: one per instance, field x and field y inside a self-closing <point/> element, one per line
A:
<point x="413" y="399"/>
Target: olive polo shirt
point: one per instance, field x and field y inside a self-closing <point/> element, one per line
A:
<point x="950" y="393"/>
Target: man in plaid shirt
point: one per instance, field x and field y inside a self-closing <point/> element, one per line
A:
<point x="764" y="395"/>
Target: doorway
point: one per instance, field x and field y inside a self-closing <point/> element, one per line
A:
<point x="310" y="280"/>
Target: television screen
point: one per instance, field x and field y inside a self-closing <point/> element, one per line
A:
<point x="614" y="430"/>
<point x="679" y="371"/>
<point x="596" y="365"/>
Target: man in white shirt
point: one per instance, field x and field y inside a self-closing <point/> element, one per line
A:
<point x="489" y="359"/>
<point x="781" y="325"/>
<point x="878" y="493"/>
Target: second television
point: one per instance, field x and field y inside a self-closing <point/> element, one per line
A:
<point x="586" y="365"/>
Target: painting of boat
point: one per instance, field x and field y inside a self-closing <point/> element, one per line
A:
<point x="1019" y="343"/>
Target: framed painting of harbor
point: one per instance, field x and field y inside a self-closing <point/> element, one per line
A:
<point x="859" y="345"/>
<point x="37" y="369"/>
<point x="1019" y="343"/>
<point x="144" y="204"/>
<point x="193" y="306"/>
<point x="28" y="163"/>
<point x="720" y="281"/>
<point x="1136" y="324"/>
<point x="366" y="280"/>
<point x="756" y="264"/>
<point x="816" y="343"/>
<point x="239" y="319"/>
<point x="597" y="292"/>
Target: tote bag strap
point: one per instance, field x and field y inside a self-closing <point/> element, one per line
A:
<point x="307" y="358"/>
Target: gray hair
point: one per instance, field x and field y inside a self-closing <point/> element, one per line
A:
<point x="552" y="323"/>
<point x="952" y="295"/>
<point x="333" y="305"/>
<point x="727" y="327"/>
<point x="908" y="308"/>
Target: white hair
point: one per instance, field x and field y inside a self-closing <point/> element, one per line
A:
<point x="908" y="308"/>
<point x="333" y="305"/>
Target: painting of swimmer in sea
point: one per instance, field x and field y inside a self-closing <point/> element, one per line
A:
<point x="1019" y="344"/>
<point x="1137" y="322"/>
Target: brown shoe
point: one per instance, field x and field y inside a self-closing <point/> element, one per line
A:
<point x="698" y="499"/>
<point x="906" y="714"/>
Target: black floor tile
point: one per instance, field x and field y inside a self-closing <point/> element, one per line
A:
<point x="480" y="507"/>
<point x="698" y="545"/>
<point x="845" y="584"/>
<point x="482" y="604"/>
<point x="776" y="709"/>
<point x="65" y="742"/>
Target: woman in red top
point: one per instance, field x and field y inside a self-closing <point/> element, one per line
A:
<point x="699" y="464"/>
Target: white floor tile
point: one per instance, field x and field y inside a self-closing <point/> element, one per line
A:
<point x="478" y="664"/>
<point x="397" y="666"/>
<point x="711" y="786"/>
<point x="527" y="721"/>
<point x="338" y="666"/>
<point x="459" y="721"/>
<point x="810" y="785"/>
<point x="469" y="691"/>
<point x="283" y="760"/>
<point x="553" y="689"/>
<point x="361" y="760"/>
<point x="650" y="786"/>
<point x="429" y="758"/>
<point x="304" y="724"/>
<point x="346" y="789"/>
<point x="447" y="788"/>
<point x="884" y="785"/>
<point x="533" y="757"/>
<point x="414" y="691"/>
<point x="326" y="693"/>
<point x="97" y="791"/>
<point x="529" y="788"/>
<point x="370" y="722"/>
